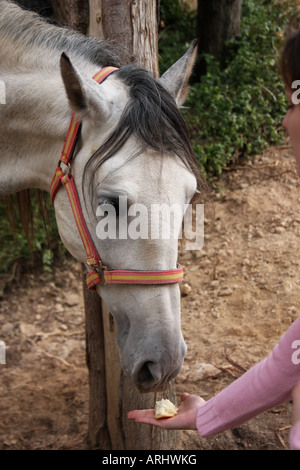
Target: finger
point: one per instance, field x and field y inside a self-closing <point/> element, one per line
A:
<point x="184" y="396"/>
<point x="165" y="423"/>
<point x="134" y="414"/>
<point x="147" y="418"/>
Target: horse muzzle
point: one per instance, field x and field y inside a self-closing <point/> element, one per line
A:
<point x="155" y="364"/>
<point x="150" y="376"/>
<point x="149" y="336"/>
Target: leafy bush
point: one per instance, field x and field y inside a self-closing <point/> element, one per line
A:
<point x="237" y="110"/>
<point x="176" y="31"/>
<point x="43" y="241"/>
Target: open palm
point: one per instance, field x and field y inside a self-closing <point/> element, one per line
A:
<point x="185" y="418"/>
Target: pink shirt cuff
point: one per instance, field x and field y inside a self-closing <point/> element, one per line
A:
<point x="207" y="420"/>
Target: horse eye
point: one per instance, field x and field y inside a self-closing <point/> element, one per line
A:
<point x="110" y="201"/>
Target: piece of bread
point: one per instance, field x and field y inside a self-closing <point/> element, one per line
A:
<point x="165" y="409"/>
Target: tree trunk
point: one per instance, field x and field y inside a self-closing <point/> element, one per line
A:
<point x="72" y="13"/>
<point x="217" y="21"/>
<point x="129" y="25"/>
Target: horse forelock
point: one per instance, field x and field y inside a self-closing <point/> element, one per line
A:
<point x="153" y="118"/>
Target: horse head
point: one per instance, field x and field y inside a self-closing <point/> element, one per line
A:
<point x="133" y="155"/>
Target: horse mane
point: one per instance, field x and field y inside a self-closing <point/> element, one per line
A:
<point x="29" y="32"/>
<point x="152" y="116"/>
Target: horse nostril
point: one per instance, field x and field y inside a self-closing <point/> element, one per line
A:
<point x="148" y="375"/>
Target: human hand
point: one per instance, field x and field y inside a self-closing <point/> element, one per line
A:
<point x="185" y="418"/>
<point x="296" y="403"/>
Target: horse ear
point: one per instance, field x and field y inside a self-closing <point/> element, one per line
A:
<point x="83" y="92"/>
<point x="73" y="85"/>
<point x="176" y="78"/>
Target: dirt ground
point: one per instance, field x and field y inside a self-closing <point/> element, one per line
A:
<point x="244" y="292"/>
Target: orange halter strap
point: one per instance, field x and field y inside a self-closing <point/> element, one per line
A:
<point x="99" y="273"/>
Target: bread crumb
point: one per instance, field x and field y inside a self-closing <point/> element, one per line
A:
<point x="165" y="409"/>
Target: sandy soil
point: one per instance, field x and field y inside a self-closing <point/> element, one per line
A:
<point x="244" y="292"/>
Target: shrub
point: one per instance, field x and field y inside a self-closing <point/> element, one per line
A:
<point x="43" y="236"/>
<point x="237" y="110"/>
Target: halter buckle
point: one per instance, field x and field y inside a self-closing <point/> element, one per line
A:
<point x="68" y="167"/>
<point x="97" y="265"/>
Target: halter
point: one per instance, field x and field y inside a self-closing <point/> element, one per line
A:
<point x="99" y="273"/>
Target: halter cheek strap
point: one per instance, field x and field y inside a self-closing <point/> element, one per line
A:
<point x="99" y="273"/>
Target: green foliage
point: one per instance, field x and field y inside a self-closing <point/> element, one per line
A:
<point x="237" y="110"/>
<point x="44" y="241"/>
<point x="177" y="30"/>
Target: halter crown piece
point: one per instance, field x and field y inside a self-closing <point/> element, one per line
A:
<point x="99" y="273"/>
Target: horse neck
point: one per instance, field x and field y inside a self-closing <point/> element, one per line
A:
<point x="33" y="126"/>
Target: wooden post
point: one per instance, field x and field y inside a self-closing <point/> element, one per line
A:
<point x="134" y="25"/>
<point x="99" y="435"/>
<point x="122" y="396"/>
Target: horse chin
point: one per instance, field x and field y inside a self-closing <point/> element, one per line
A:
<point x="163" y="387"/>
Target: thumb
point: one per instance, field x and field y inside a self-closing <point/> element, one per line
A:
<point x="184" y="396"/>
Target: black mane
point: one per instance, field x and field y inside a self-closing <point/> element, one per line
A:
<point x="152" y="116"/>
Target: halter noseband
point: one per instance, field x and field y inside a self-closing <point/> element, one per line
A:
<point x="99" y="273"/>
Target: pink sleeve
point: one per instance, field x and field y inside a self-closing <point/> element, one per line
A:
<point x="294" y="437"/>
<point x="262" y="387"/>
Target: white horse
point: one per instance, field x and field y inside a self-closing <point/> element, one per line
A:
<point x="133" y="143"/>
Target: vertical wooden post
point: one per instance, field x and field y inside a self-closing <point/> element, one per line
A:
<point x="134" y="25"/>
<point x="99" y="435"/>
<point x="122" y="396"/>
